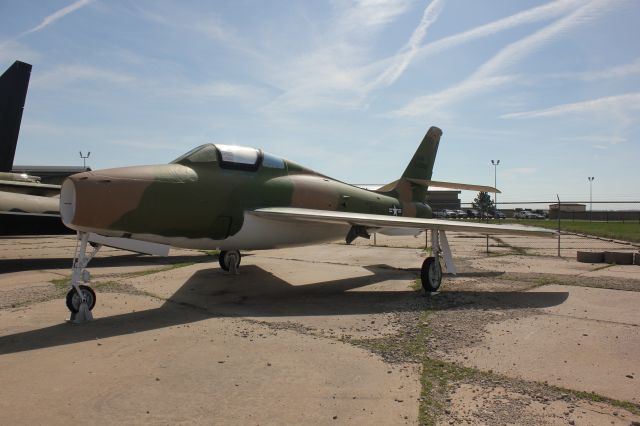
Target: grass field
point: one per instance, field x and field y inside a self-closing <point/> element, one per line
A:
<point x="617" y="230"/>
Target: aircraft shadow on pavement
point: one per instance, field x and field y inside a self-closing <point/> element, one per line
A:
<point x="258" y="293"/>
<point x="19" y="265"/>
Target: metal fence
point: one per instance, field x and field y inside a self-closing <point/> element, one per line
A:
<point x="607" y="226"/>
<point x="612" y="226"/>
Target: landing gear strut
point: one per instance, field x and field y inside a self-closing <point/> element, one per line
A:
<point x="230" y="261"/>
<point x="81" y="298"/>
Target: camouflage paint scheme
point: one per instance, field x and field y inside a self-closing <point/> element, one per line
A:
<point x="234" y="198"/>
<point x="200" y="196"/>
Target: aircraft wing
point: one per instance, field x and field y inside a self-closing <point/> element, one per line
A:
<point x="26" y="204"/>
<point x="30" y="188"/>
<point x="29" y="198"/>
<point x="382" y="221"/>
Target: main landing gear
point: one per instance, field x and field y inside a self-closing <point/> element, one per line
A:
<point x="431" y="274"/>
<point x="81" y="298"/>
<point x="230" y="261"/>
<point x="431" y="271"/>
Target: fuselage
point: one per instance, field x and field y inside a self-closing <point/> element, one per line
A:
<point x="200" y="201"/>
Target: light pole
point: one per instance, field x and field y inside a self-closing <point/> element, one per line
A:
<point x="84" y="159"/>
<point x="590" y="178"/>
<point x="495" y="183"/>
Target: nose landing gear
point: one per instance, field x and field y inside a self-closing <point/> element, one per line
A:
<point x="81" y="298"/>
<point x="230" y="261"/>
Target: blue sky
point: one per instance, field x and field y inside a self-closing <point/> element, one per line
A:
<point x="348" y="88"/>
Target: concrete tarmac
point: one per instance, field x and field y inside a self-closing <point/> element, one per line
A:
<point x="177" y="340"/>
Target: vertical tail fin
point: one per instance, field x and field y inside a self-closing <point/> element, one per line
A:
<point x="13" y="93"/>
<point x="409" y="187"/>
<point x="421" y="165"/>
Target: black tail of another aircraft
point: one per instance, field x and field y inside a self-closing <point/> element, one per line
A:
<point x="13" y="93"/>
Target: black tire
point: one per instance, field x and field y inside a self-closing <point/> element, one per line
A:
<point x="223" y="261"/>
<point x="431" y="275"/>
<point x="73" y="300"/>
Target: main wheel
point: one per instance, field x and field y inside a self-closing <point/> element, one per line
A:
<point x="226" y="257"/>
<point x="431" y="274"/>
<point x="74" y="299"/>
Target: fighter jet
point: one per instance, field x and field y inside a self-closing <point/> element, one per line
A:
<point x="20" y="193"/>
<point x="236" y="198"/>
<point x="28" y="203"/>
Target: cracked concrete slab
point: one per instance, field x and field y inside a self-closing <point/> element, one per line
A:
<point x="590" y="342"/>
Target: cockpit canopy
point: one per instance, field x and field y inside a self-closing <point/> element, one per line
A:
<point x="231" y="157"/>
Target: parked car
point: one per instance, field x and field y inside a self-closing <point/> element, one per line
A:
<point x="525" y="214"/>
<point x="450" y="214"/>
<point x="473" y="213"/>
<point x="543" y="214"/>
<point x="461" y="214"/>
<point x="439" y="214"/>
<point x="498" y="215"/>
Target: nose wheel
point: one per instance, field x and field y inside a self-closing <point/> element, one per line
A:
<point x="230" y="261"/>
<point x="74" y="300"/>
<point x="431" y="274"/>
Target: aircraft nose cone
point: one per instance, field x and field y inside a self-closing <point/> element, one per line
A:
<point x="67" y="202"/>
<point x="93" y="201"/>
<point x="97" y="201"/>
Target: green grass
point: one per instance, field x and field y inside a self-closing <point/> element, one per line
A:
<point x="615" y="230"/>
<point x="64" y="282"/>
<point x="156" y="270"/>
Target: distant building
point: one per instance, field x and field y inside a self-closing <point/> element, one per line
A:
<point x="568" y="207"/>
<point x="443" y="199"/>
<point x="437" y="198"/>
<point x="568" y="211"/>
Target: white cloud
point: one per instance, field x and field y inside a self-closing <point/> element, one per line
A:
<point x="71" y="74"/>
<point x="164" y="146"/>
<point x="618" y="71"/>
<point x="491" y="74"/>
<point x="529" y="16"/>
<point x="59" y="14"/>
<point x="336" y="73"/>
<point x="406" y="55"/>
<point x="366" y="15"/>
<point x="629" y="101"/>
<point x="12" y="50"/>
<point x="593" y="138"/>
<point x="519" y="171"/>
<point x="515" y="51"/>
<point x="100" y="78"/>
<point x="212" y="90"/>
<point x="430" y="104"/>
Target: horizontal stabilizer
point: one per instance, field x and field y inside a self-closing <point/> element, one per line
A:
<point x="454" y="185"/>
<point x="131" y="245"/>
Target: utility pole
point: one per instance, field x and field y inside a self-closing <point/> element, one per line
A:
<point x="590" y="178"/>
<point x="495" y="183"/>
<point x="84" y="159"/>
